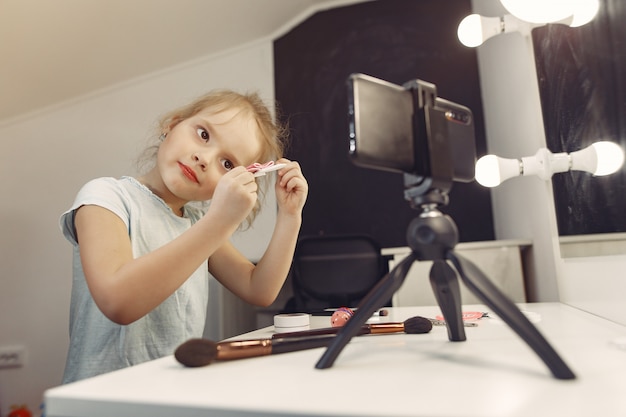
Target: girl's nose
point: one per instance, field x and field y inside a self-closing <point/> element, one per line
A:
<point x="199" y="159"/>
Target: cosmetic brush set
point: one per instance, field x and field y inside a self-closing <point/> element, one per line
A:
<point x="202" y="352"/>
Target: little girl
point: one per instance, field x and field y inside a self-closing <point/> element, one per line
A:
<point x="142" y="254"/>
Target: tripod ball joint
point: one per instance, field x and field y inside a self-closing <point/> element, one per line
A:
<point x="433" y="235"/>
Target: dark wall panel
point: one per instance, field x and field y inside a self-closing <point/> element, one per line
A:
<point x="396" y="40"/>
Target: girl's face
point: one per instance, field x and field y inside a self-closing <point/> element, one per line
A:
<point x="199" y="150"/>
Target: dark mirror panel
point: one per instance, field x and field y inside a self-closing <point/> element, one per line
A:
<point x="582" y="82"/>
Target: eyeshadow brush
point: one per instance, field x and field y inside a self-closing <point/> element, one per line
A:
<point x="414" y="325"/>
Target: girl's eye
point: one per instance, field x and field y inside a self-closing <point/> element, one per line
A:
<point x="227" y="164"/>
<point x="204" y="135"/>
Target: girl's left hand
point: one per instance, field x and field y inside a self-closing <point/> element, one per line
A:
<point x="291" y="187"/>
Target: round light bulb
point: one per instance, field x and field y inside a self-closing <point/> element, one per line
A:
<point x="492" y="170"/>
<point x="584" y="12"/>
<point x="476" y="29"/>
<point x="538" y="11"/>
<point x="549" y="11"/>
<point x="608" y="156"/>
<point x="488" y="171"/>
<point x="470" y="31"/>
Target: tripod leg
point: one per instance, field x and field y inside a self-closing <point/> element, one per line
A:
<point x="480" y="285"/>
<point x="445" y="284"/>
<point x="375" y="299"/>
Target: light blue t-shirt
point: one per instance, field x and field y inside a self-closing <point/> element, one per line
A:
<point x="98" y="345"/>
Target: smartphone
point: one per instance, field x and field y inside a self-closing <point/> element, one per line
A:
<point x="392" y="129"/>
<point x="380" y="118"/>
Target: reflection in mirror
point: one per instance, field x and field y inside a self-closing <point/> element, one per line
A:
<point x="582" y="82"/>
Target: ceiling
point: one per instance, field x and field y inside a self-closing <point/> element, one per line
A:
<point x="55" y="50"/>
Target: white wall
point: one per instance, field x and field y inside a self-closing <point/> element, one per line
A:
<point x="596" y="284"/>
<point x="45" y="157"/>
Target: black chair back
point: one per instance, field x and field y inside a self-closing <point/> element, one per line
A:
<point x="334" y="271"/>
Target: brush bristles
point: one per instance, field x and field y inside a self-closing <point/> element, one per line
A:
<point x="196" y="352"/>
<point x="416" y="325"/>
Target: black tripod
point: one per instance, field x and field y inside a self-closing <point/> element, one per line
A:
<point x="433" y="236"/>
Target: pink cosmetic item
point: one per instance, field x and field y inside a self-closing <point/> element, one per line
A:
<point x="341" y="316"/>
<point x="261" y="169"/>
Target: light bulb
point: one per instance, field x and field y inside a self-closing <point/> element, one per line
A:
<point x="600" y="158"/>
<point x="579" y="12"/>
<point x="476" y="29"/>
<point x="492" y="170"/>
<point x="538" y="11"/>
<point x="584" y="12"/>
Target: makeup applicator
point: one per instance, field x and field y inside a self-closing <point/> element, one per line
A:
<point x="414" y="325"/>
<point x="201" y="352"/>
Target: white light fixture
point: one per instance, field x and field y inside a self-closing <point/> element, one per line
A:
<point x="600" y="158"/>
<point x="476" y="29"/>
<point x="524" y="16"/>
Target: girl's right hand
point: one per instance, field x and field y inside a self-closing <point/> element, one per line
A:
<point x="235" y="195"/>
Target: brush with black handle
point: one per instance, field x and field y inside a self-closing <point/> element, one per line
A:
<point x="201" y="352"/>
<point x="414" y="325"/>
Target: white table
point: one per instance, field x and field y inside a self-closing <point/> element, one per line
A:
<point x="493" y="373"/>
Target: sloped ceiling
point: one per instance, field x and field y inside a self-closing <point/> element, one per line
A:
<point x="54" y="50"/>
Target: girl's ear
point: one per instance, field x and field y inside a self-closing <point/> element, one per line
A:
<point x="172" y="124"/>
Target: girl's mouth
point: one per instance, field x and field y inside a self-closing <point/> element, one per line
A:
<point x="188" y="172"/>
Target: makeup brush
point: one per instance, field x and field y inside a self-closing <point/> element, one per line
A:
<point x="414" y="325"/>
<point x="201" y="352"/>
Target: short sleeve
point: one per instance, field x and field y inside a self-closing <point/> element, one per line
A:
<point x="104" y="192"/>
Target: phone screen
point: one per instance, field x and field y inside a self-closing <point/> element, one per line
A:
<point x="381" y="124"/>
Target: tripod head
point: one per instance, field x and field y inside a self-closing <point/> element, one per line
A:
<point x="431" y="234"/>
<point x="419" y="192"/>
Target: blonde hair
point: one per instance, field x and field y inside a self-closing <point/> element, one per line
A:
<point x="273" y="134"/>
